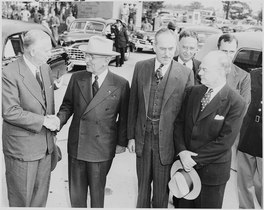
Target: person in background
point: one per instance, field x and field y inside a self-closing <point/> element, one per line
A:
<point x="204" y="132"/>
<point x="249" y="170"/>
<point x="25" y="14"/>
<point x="238" y="79"/>
<point x="54" y="24"/>
<point x="69" y="20"/>
<point x="188" y="47"/>
<point x="131" y="26"/>
<point x="28" y="122"/>
<point x="157" y="90"/>
<point x="98" y="101"/>
<point x="125" y="13"/>
<point x="121" y="41"/>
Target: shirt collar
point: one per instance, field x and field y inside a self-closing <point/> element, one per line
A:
<point x="101" y="77"/>
<point x="188" y="64"/>
<point x="163" y="69"/>
<point x="215" y="90"/>
<point x="30" y="65"/>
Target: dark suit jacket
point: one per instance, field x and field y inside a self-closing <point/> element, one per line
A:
<point x="121" y="37"/>
<point x="239" y="80"/>
<point x="196" y="65"/>
<point x="210" y="138"/>
<point x="251" y="131"/>
<point x="179" y="79"/>
<point x="98" y="123"/>
<point x="23" y="111"/>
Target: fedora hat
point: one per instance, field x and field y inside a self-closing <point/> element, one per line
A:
<point x="55" y="156"/>
<point x="99" y="45"/>
<point x="184" y="184"/>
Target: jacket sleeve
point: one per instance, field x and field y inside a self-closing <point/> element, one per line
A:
<point x="245" y="90"/>
<point x="133" y="106"/>
<point x="12" y="111"/>
<point x="122" y="118"/>
<point x="226" y="138"/>
<point x="66" y="108"/>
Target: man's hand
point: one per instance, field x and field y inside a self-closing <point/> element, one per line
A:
<point x="52" y="122"/>
<point x="131" y="146"/>
<point x="186" y="159"/>
<point x="120" y="149"/>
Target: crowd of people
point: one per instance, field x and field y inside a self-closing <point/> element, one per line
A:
<point x="180" y="115"/>
<point x="55" y="16"/>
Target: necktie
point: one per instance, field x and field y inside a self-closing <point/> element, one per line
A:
<point x="158" y="73"/>
<point x="184" y="64"/>
<point x="38" y="77"/>
<point x="206" y="98"/>
<point x="95" y="85"/>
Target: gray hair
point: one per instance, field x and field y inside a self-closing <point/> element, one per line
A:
<point x="34" y="36"/>
<point x="223" y="60"/>
<point x="164" y="31"/>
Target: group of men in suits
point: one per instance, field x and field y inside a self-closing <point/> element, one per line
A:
<point x="161" y="118"/>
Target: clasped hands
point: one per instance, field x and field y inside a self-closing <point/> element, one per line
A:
<point x="52" y="122"/>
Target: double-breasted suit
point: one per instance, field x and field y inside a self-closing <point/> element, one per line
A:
<point x="169" y="96"/>
<point x="24" y="137"/>
<point x="211" y="134"/>
<point x="99" y="123"/>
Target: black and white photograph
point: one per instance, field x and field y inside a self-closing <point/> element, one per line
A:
<point x="131" y="104"/>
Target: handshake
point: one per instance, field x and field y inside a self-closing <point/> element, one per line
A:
<point x="52" y="122"/>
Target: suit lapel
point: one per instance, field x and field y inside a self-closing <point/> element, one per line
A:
<point x="85" y="86"/>
<point x="173" y="76"/>
<point x="106" y="89"/>
<point x="147" y="79"/>
<point x="232" y="77"/>
<point x="215" y="103"/>
<point x="30" y="82"/>
<point x="196" y="102"/>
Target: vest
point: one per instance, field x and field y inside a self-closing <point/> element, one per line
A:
<point x="155" y="102"/>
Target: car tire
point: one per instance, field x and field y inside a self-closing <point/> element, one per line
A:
<point x="127" y="54"/>
<point x="139" y="49"/>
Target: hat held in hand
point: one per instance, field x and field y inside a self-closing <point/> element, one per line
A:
<point x="184" y="184"/>
<point x="99" y="45"/>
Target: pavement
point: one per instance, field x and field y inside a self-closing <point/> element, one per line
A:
<point x="121" y="185"/>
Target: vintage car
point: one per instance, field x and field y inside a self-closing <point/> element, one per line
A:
<point x="80" y="31"/>
<point x="249" y="51"/>
<point x="12" y="45"/>
<point x="203" y="32"/>
<point x="143" y="40"/>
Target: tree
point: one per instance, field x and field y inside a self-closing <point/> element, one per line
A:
<point x="260" y="16"/>
<point x="151" y="8"/>
<point x="236" y="9"/>
<point x="196" y="5"/>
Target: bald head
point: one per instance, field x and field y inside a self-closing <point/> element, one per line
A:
<point x="34" y="37"/>
<point x="214" y="68"/>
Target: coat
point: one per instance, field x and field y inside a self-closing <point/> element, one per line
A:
<point x="99" y="123"/>
<point x="209" y="137"/>
<point x="178" y="80"/>
<point x="23" y="110"/>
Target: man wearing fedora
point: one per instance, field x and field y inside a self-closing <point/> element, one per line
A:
<point x="206" y="129"/>
<point x="98" y="101"/>
<point x="157" y="91"/>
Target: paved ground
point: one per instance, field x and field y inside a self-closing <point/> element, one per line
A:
<point x="121" y="186"/>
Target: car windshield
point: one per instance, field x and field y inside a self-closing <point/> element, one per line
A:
<point x="87" y="26"/>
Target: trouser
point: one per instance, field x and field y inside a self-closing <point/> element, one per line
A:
<point x="249" y="178"/>
<point x="150" y="170"/>
<point x="28" y="181"/>
<point x="121" y="58"/>
<point x="83" y="174"/>
<point x="211" y="196"/>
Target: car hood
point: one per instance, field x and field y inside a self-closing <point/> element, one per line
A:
<point x="76" y="36"/>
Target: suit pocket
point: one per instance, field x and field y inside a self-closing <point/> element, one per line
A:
<point x="12" y="130"/>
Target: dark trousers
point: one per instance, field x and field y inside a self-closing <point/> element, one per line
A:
<point x="83" y="174"/>
<point x="120" y="59"/>
<point x="211" y="196"/>
<point x="28" y="181"/>
<point x="150" y="169"/>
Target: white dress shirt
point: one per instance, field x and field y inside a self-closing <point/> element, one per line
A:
<point x="188" y="64"/>
<point x="215" y="91"/>
<point x="101" y="78"/>
<point x="31" y="66"/>
<point x="163" y="69"/>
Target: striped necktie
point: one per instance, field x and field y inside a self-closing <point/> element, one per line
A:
<point x="158" y="73"/>
<point x="95" y="85"/>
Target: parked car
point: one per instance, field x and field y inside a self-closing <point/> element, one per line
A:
<point x="203" y="32"/>
<point x="12" y="45"/>
<point x="249" y="52"/>
<point x="80" y="31"/>
<point x="143" y="40"/>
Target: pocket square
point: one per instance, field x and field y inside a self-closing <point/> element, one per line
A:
<point x="219" y="117"/>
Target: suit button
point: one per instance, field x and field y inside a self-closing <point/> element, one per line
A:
<point x="97" y="136"/>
